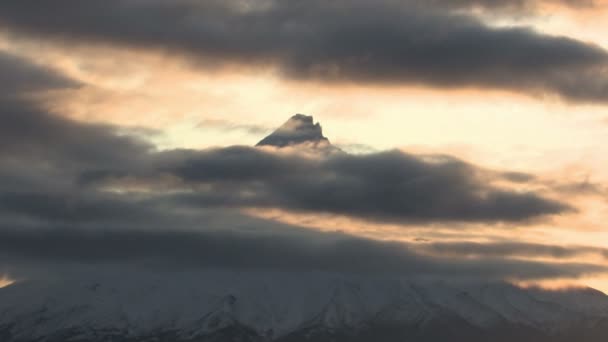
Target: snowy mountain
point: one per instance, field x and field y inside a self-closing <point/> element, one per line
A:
<point x="227" y="306"/>
<point x="300" y="130"/>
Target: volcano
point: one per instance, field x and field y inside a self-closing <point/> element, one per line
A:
<point x="299" y="130"/>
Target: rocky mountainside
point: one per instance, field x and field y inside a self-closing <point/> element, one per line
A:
<point x="225" y="306"/>
<point x="300" y="130"/>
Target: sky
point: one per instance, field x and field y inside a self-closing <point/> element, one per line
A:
<point x="475" y="132"/>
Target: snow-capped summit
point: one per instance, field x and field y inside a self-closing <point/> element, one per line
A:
<point x="300" y="129"/>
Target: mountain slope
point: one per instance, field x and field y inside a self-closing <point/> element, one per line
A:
<point x="278" y="306"/>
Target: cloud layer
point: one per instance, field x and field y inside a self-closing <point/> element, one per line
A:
<point x="77" y="195"/>
<point x="21" y="75"/>
<point x="385" y="42"/>
<point x="388" y="186"/>
<point x="279" y="248"/>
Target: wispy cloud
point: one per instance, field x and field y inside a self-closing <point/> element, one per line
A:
<point x="228" y="125"/>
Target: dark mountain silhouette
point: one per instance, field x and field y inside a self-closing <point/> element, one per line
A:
<point x="299" y="130"/>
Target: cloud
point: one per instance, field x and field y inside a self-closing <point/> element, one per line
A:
<point x="76" y="195"/>
<point x="228" y="125"/>
<point x="356" y="148"/>
<point x="22" y="75"/>
<point x="66" y="157"/>
<point x="274" y="247"/>
<point x="386" y="42"/>
<point x="388" y="186"/>
<point x="509" y="249"/>
<point x="51" y="220"/>
<point x="518" y="177"/>
<point x="519" y="5"/>
<point x="46" y="151"/>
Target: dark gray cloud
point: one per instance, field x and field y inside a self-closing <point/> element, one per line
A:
<point x="388" y="186"/>
<point x="386" y="42"/>
<point x="22" y="75"/>
<point x="28" y="130"/>
<point x="278" y="248"/>
<point x="509" y="249"/>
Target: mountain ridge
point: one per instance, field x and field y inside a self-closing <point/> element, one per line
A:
<point x="225" y="306"/>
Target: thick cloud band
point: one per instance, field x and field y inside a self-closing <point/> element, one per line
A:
<point x="288" y="250"/>
<point x="389" y="186"/>
<point x="380" y="42"/>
